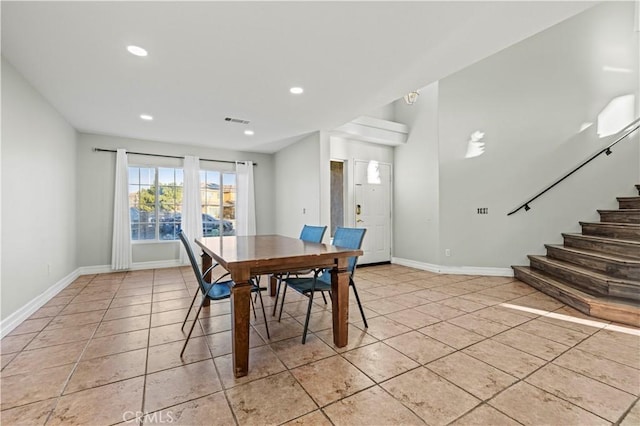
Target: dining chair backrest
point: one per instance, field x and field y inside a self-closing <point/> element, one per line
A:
<point x="312" y="234"/>
<point x="194" y="262"/>
<point x="350" y="238"/>
<point x="210" y="291"/>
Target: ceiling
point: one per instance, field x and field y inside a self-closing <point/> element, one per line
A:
<point x="211" y="60"/>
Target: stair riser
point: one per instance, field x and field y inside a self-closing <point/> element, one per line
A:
<point x="589" y="284"/>
<point x="584" y="283"/>
<point x="601" y="265"/>
<point x="629" y="204"/>
<point x="611" y="232"/>
<point x="552" y="291"/>
<point x="623" y="316"/>
<point x="596" y="308"/>
<point x="620" y="216"/>
<point x="625" y="291"/>
<point x="598" y="272"/>
<point x="608" y="247"/>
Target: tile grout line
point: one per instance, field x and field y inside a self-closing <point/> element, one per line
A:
<point x="384" y="341"/>
<point x="189" y="363"/>
<point x="624" y="415"/>
<point x="36" y="334"/>
<point x="86" y="346"/>
<point x="375" y="383"/>
<point x="547" y="362"/>
<point x="485" y="338"/>
<point x="486" y="401"/>
<point x="77" y="362"/>
<point x="146" y="358"/>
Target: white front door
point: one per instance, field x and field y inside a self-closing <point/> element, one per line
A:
<point x="373" y="209"/>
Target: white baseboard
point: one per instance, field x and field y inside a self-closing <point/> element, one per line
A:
<point x="137" y="266"/>
<point x="458" y="270"/>
<point x="15" y="319"/>
<point x="97" y="269"/>
<point x="158" y="264"/>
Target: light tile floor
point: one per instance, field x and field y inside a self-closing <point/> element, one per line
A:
<point x="440" y="349"/>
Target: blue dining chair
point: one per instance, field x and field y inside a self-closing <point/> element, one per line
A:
<point x="350" y="238"/>
<point x="311" y="234"/>
<point x="216" y="290"/>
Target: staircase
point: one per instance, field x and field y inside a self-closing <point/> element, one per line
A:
<point x="598" y="271"/>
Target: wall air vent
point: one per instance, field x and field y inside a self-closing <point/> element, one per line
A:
<point x="236" y="120"/>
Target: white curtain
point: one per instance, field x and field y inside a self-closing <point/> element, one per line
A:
<point x="191" y="204"/>
<point x="121" y="245"/>
<point x="245" y="201"/>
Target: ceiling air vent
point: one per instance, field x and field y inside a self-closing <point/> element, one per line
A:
<point x="236" y="120"/>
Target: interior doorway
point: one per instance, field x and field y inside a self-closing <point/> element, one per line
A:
<point x="337" y="195"/>
<point x="372" y="208"/>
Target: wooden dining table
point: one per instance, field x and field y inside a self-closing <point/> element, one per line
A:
<point x="247" y="257"/>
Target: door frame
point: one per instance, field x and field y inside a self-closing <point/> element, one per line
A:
<point x="351" y="197"/>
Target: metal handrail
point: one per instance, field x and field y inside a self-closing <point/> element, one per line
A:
<point x="628" y="130"/>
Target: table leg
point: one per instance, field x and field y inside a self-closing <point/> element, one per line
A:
<point x="240" y="307"/>
<point x="207" y="261"/>
<point x="340" y="303"/>
<point x="273" y="283"/>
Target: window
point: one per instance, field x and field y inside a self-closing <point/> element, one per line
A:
<point x="218" y="194"/>
<point x="155" y="203"/>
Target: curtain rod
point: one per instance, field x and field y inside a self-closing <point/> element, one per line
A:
<point x="169" y="156"/>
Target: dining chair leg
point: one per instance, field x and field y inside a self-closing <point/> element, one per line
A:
<point x="192" y="326"/>
<point x="359" y="305"/>
<point x="264" y="314"/>
<point x="306" y="321"/>
<point x="284" y="293"/>
<point x="275" y="304"/>
<point x="253" y="306"/>
<point x="255" y="296"/>
<point x="323" y="297"/>
<point x="190" y="307"/>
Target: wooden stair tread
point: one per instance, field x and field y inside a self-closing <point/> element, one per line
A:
<point x="584" y="271"/>
<point x="629" y="261"/>
<point x="597" y="271"/>
<point x="602" y="239"/>
<point x="613" y="224"/>
<point x="618" y="210"/>
<point x="578" y="294"/>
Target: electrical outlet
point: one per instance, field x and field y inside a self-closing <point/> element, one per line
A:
<point x="304" y="211"/>
<point x="483" y="210"/>
<point x="48" y="269"/>
<point x="447" y="252"/>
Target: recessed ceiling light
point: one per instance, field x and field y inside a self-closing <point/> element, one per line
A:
<point x="249" y="132"/>
<point x="146" y="117"/>
<point x="137" y="50"/>
<point x="296" y="90"/>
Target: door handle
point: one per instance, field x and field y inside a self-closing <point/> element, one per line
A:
<point x="359" y="221"/>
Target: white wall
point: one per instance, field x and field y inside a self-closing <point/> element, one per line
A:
<point x="416" y="186"/>
<point x="324" y="165"/>
<point x="38" y="193"/>
<point x="531" y="100"/>
<point x="297" y="186"/>
<point x="386" y="112"/>
<point x="95" y="173"/>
